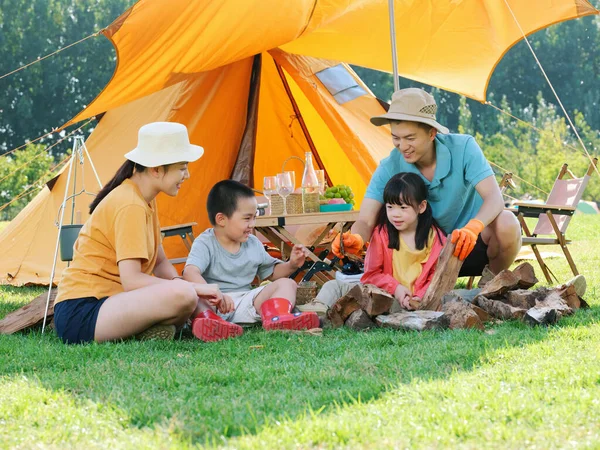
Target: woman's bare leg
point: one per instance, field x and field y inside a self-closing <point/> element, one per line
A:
<point x="129" y="313"/>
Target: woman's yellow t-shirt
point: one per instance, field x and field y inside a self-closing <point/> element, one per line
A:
<point x="407" y="263"/>
<point x="123" y="226"/>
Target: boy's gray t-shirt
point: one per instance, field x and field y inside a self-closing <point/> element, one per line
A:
<point x="232" y="272"/>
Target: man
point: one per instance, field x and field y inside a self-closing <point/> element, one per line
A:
<point x="463" y="193"/>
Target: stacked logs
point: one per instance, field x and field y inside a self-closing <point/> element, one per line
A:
<point x="504" y="296"/>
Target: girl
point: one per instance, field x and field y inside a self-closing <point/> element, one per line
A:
<point x="406" y="242"/>
<point x="108" y="292"/>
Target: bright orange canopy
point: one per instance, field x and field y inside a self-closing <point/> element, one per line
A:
<point x="452" y="44"/>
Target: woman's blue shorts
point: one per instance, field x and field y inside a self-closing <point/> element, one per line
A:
<point x="75" y="320"/>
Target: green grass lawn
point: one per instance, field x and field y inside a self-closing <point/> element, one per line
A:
<point x="510" y="386"/>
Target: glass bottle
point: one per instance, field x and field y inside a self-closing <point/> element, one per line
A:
<point x="310" y="186"/>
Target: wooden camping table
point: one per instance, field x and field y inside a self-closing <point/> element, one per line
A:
<point x="274" y="229"/>
<point x="184" y="231"/>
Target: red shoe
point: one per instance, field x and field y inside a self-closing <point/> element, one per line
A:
<point x="276" y="315"/>
<point x="209" y="327"/>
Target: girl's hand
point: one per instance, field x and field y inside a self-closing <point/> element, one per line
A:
<point x="415" y="302"/>
<point x="226" y="305"/>
<point x="298" y="256"/>
<point x="403" y="296"/>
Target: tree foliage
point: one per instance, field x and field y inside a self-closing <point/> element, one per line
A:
<point x="23" y="171"/>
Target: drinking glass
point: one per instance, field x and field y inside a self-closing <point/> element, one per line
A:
<point x="321" y="178"/>
<point x="284" y="188"/>
<point x="269" y="188"/>
<point x="293" y="178"/>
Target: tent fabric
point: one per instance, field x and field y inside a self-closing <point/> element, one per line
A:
<point x="214" y="107"/>
<point x="452" y="44"/>
<point x="191" y="62"/>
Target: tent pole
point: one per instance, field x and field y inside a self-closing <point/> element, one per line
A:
<point x="91" y="163"/>
<point x="62" y="215"/>
<point x="393" y="41"/>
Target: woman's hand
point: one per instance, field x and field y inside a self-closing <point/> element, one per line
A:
<point x="403" y="296"/>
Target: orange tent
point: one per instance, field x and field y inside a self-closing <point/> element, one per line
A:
<point x="247" y="79"/>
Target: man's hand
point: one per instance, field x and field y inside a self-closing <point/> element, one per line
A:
<point x="466" y="237"/>
<point x="403" y="296"/>
<point x="353" y="243"/>
<point x="298" y="256"/>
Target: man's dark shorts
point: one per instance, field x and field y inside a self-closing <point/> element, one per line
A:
<point x="476" y="261"/>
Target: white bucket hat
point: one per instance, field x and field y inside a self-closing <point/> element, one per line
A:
<point x="413" y="105"/>
<point x="162" y="143"/>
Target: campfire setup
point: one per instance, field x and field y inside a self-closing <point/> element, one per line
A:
<point x="507" y="295"/>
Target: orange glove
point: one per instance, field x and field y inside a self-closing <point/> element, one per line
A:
<point x="353" y="243"/>
<point x="466" y="237"/>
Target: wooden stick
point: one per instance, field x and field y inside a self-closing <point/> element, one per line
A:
<point x="444" y="279"/>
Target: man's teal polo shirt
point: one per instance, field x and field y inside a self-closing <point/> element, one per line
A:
<point x="460" y="165"/>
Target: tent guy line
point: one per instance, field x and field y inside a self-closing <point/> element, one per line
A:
<point x="39" y="59"/>
<point x="552" y="88"/>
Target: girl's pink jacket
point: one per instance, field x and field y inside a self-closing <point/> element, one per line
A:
<point x="378" y="263"/>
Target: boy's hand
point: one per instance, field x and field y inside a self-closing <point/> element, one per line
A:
<point x="209" y="292"/>
<point x="226" y="305"/>
<point x="298" y="256"/>
<point x="403" y="296"/>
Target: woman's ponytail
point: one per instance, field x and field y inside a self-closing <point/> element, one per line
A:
<point x="124" y="172"/>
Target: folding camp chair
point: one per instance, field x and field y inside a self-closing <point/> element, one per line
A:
<point x="554" y="216"/>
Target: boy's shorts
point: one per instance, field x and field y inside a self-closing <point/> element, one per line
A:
<point x="244" y="312"/>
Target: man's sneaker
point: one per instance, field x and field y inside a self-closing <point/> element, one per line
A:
<point x="579" y="283"/>
<point x="315" y="306"/>
<point x="159" y="332"/>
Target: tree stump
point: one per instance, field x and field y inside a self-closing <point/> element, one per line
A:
<point x="444" y="278"/>
<point x="359" y="320"/>
<point x="414" y="320"/>
<point x="29" y="315"/>
<point x="500" y="284"/>
<point x="526" y="275"/>
<point x="460" y="313"/>
<point x="498" y="309"/>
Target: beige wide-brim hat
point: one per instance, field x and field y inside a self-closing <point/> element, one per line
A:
<point x="162" y="143"/>
<point x="413" y="105"/>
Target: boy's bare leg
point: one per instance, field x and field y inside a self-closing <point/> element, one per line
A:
<point x="128" y="313"/>
<point x="281" y="288"/>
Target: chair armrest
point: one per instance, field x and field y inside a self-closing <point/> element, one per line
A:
<point x="534" y="210"/>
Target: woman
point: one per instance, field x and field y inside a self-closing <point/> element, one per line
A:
<point x="109" y="292"/>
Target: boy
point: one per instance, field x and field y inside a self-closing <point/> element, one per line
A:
<point x="231" y="256"/>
